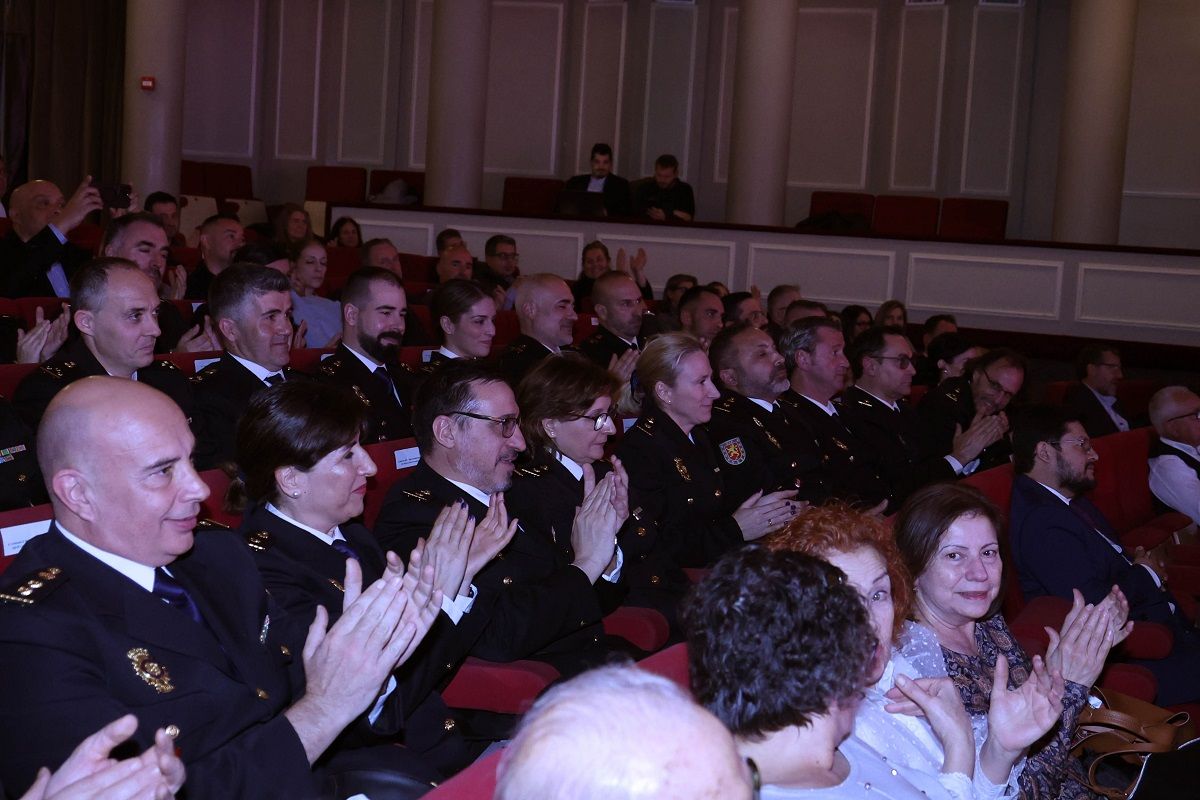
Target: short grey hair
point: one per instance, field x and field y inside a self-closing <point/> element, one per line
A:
<point x="802" y="335"/>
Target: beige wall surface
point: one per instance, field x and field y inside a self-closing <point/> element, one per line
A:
<point x="958" y="99"/>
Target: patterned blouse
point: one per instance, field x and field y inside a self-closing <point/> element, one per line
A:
<point x="1050" y="771"/>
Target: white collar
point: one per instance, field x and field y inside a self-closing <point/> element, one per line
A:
<point x="471" y="490"/>
<point x="259" y="371"/>
<point x="767" y="406"/>
<point x="447" y="352"/>
<point x="1191" y="450"/>
<point x="827" y="407"/>
<point x="892" y="406"/>
<point x="1105" y="400"/>
<point x="140" y="574"/>
<point x="572" y="467"/>
<point x="333" y="535"/>
<point x="367" y="362"/>
<point x="1056" y="493"/>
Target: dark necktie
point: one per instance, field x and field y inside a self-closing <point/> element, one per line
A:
<point x="1087" y="512"/>
<point x="167" y="588"/>
<point x="274" y="380"/>
<point x="382" y="373"/>
<point x="343" y="547"/>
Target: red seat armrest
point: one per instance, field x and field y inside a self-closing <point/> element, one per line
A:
<point x="503" y="688"/>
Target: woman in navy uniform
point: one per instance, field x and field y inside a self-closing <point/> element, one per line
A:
<point x="674" y="476"/>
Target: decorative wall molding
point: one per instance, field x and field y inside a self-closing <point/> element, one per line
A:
<point x="285" y="42"/>
<point x="385" y="73"/>
<point x="250" y="112"/>
<point x="684" y="155"/>
<point x="583" y="151"/>
<point x="1006" y="188"/>
<point x="1133" y="294"/>
<point x="1012" y="287"/>
<point x="931" y="185"/>
<point x="825" y="273"/>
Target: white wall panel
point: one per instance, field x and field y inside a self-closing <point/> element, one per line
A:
<point x="418" y="112"/>
<point x="832" y="275"/>
<point x="995" y="63"/>
<point x="728" y="56"/>
<point x="601" y="81"/>
<point x="365" y="80"/>
<point x="220" y="106"/>
<point x="917" y="115"/>
<point x="1157" y="297"/>
<point x="670" y="84"/>
<point x="298" y="84"/>
<point x="1003" y="287"/>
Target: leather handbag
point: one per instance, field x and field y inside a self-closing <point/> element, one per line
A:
<point x="1132" y="730"/>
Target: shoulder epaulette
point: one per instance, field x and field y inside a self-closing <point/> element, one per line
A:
<point x="331" y="365"/>
<point x="208" y="371"/>
<point x="206" y="524"/>
<point x="533" y="470"/>
<point x="34" y="587"/>
<point x="726" y="403"/>
<point x="63" y="370"/>
<point x="259" y="541"/>
<point x="645" y="425"/>
<point x="420" y="495"/>
<point x="162" y="363"/>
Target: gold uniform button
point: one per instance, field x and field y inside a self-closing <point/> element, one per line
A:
<point x="285" y="650"/>
<point x="172" y="731"/>
<point x="851" y="459"/>
<point x="449" y="724"/>
<point x="22" y="477"/>
<point x="655" y="580"/>
<point x="507" y="581"/>
<point x="716" y="492"/>
<point x="641" y="531"/>
<point x="691" y="500"/>
<point x="449" y="666"/>
<point x="261" y="694"/>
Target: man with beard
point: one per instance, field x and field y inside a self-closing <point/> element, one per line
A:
<point x="762" y="448"/>
<point x="546" y="313"/>
<point x="545" y="607"/>
<point x="373" y="309"/>
<point x="1062" y="542"/>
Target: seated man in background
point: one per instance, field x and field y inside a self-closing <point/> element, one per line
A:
<point x="456" y="262"/>
<point x="621" y="732"/>
<point x="251" y="307"/>
<point x="35" y="256"/>
<point x="619" y="308"/>
<point x="1062" y="542"/>
<point x="448" y="239"/>
<point x="1093" y="400"/>
<point x="778" y="301"/>
<point x="702" y="314"/>
<point x="665" y="197"/>
<point x="602" y="179"/>
<point x="220" y="236"/>
<point x="383" y="254"/>
<point x="124" y="606"/>
<point x="746" y="308"/>
<point x="967" y="416"/>
<point x="1174" y="458"/>
<point x="166" y="208"/>
<point x="500" y="270"/>
<point x="115" y="309"/>
<point x="546" y="313"/>
<point x="803" y="309"/>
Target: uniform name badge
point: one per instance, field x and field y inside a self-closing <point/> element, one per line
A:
<point x="733" y="451"/>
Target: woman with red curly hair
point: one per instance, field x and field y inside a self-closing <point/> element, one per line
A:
<point x="907" y="677"/>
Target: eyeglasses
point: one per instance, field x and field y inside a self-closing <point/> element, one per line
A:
<point x="903" y="362"/>
<point x="598" y="422"/>
<point x="1083" y="443"/>
<point x="508" y="425"/>
<point x="997" y="388"/>
<point x="1190" y="415"/>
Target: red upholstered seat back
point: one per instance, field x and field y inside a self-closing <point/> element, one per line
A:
<point x="531" y="195"/>
<point x="336" y="184"/>
<point x="384" y="454"/>
<point x="842" y="203"/>
<point x="671" y="663"/>
<point x="996" y="485"/>
<point x="905" y="215"/>
<point x="973" y="218"/>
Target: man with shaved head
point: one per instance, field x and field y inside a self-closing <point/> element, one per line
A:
<point x="546" y="313"/>
<point x="619" y="307"/>
<point x="115" y="309"/>
<point x="129" y="604"/>
<point x="1175" y="457"/>
<point x="36" y="258"/>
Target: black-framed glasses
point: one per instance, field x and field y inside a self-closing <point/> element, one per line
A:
<point x="903" y="362"/>
<point x="1082" y="442"/>
<point x="1190" y="415"/>
<point x="997" y="388"/>
<point x="508" y="425"/>
<point x="598" y="421"/>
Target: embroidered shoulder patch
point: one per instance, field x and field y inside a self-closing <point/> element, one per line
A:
<point x="733" y="451"/>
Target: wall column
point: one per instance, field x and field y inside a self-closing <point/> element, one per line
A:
<point x="1095" y="121"/>
<point x="457" y="103"/>
<point x="762" y="112"/>
<point x="152" y="135"/>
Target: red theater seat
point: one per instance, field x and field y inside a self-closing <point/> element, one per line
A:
<point x="671" y="663"/>
<point x="336" y="184"/>
<point x="905" y="215"/>
<point x="642" y="627"/>
<point x="308" y="358"/>
<point x="191" y="177"/>
<point x="387" y="472"/>
<point x="507" y="329"/>
<point x="214" y="507"/>
<point x="476" y="782"/>
<point x="11" y="376"/>
<point x="531" y="195"/>
<point x="416" y="267"/>
<point x="507" y="688"/>
<point x="342" y="261"/>
<point x="228" y="180"/>
<point x="973" y="218"/>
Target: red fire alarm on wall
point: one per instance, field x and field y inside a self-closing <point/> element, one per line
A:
<point x="147" y="82"/>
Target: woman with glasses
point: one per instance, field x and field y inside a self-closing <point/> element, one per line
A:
<point x="465" y="315"/>
<point x="941" y="741"/>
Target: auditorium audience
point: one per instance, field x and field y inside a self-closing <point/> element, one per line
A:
<point x="665" y="197"/>
<point x="778" y="301"/>
<point x="721" y="289"/>
<point x="166" y="208"/>
<point x="373" y="309"/>
<point x="597" y="262"/>
<point x="666" y="316"/>
<point x="320" y="315"/>
<point x="1093" y="400"/>
<point x="546" y="314"/>
<point x="1062" y="543"/>
<point x="44" y="337"/>
<point x="37" y="259"/>
<point x="934" y="326"/>
<point x="892" y="312"/>
<point x="541" y="604"/>
<point x="621" y="732"/>
<point x="947" y="535"/>
<point x="465" y="316"/>
<point x="345" y="232"/>
<point x="701" y="314"/>
<point x="602" y="179"/>
<point x="293" y="228"/>
<point x="381" y="253"/>
<point x="220" y="236"/>
<point x="1175" y="457"/>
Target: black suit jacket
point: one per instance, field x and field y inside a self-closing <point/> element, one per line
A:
<point x="387" y="417"/>
<point x="87" y="646"/>
<point x="23" y="265"/>
<point x="544" y="608"/>
<point x="1080" y="402"/>
<point x="523" y="354"/>
<point x="223" y="390"/>
<point x="949" y="404"/>
<point x="893" y="439"/>
<point x="75" y="361"/>
<point x="617" y="199"/>
<point x="301" y="572"/>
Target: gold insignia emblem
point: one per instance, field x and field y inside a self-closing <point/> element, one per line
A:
<point x="338" y="586"/>
<point x="419" y="494"/>
<point x="682" y="469"/>
<point x="772" y="439"/>
<point x="259" y="541"/>
<point x="266" y="627"/>
<point x="358" y="392"/>
<point x="840" y="443"/>
<point x="151" y="672"/>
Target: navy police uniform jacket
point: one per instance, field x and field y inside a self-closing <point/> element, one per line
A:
<point x="388" y="414"/>
<point x="81" y="644"/>
<point x="949" y="404"/>
<point x="602" y="345"/>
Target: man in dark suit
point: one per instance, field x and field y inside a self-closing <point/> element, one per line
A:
<point x="1093" y="401"/>
<point x="877" y="410"/>
<point x="373" y="310"/>
<point x="1062" y="542"/>
<point x="220" y="237"/>
<point x="813" y="349"/>
<point x="546" y="313"/>
<point x="37" y="259"/>
<point x="127" y="605"/>
<point x="966" y="416"/>
<point x="115" y="309"/>
<point x="547" y="607"/>
<point x="601" y="179"/>
<point x="252" y="309"/>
